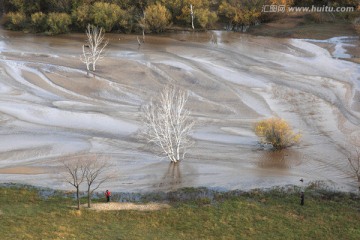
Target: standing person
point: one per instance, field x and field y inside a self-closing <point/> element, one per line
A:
<point x="302" y="198"/>
<point x="107" y="195"/>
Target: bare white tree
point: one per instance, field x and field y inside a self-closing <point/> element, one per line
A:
<point x="354" y="163"/>
<point x="87" y="59"/>
<point x="74" y="174"/>
<point x="144" y="26"/>
<point x="95" y="44"/>
<point x="95" y="174"/>
<point x="192" y="16"/>
<point x="168" y="123"/>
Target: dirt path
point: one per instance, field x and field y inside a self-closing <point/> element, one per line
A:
<point x="129" y="206"/>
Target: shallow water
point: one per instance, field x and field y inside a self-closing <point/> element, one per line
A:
<point x="50" y="109"/>
<point x="340" y="44"/>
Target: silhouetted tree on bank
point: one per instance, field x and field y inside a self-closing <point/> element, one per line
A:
<point x="95" y="174"/>
<point x="74" y="173"/>
<point x="90" y="169"/>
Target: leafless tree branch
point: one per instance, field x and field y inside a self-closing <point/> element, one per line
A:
<point x="95" y="174"/>
<point x="88" y="168"/>
<point x="74" y="174"/>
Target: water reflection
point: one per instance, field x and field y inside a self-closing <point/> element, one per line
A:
<point x="172" y="178"/>
<point x="284" y="159"/>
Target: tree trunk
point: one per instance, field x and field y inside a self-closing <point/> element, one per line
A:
<point x="173" y="159"/>
<point x="192" y="16"/>
<point x="89" y="197"/>
<point x="178" y="153"/>
<point x="78" y="197"/>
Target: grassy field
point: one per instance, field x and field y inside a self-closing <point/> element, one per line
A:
<point x="257" y="215"/>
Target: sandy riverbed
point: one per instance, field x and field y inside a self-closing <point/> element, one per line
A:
<point x="49" y="109"/>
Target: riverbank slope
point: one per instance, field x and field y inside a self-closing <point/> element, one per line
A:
<point x="255" y="215"/>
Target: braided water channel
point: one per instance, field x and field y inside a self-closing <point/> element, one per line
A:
<point x="49" y="108"/>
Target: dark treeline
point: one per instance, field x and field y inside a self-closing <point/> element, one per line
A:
<point x="60" y="16"/>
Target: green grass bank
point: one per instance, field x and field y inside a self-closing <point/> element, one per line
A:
<point x="274" y="214"/>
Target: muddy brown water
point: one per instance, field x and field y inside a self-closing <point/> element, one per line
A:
<point x="50" y="109"/>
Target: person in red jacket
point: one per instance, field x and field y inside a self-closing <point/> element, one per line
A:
<point x="107" y="195"/>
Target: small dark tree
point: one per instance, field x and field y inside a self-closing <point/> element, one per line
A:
<point x="74" y="173"/>
<point x="95" y="175"/>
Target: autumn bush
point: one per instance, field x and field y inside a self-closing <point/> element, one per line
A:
<point x="38" y="21"/>
<point x="126" y="22"/>
<point x="157" y="17"/>
<point x="238" y="14"/>
<point x="58" y="23"/>
<point x="125" y="15"/>
<point x="15" y="20"/>
<point x="82" y="16"/>
<point x="277" y="132"/>
<point x="106" y="15"/>
<point x="205" y="18"/>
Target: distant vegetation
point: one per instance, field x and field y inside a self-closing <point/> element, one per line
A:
<point x="357" y="25"/>
<point x="60" y="16"/>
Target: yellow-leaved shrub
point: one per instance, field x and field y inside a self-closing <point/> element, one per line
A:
<point x="277" y="132"/>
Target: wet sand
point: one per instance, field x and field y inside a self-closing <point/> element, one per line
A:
<point x="22" y="170"/>
<point x="50" y="109"/>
